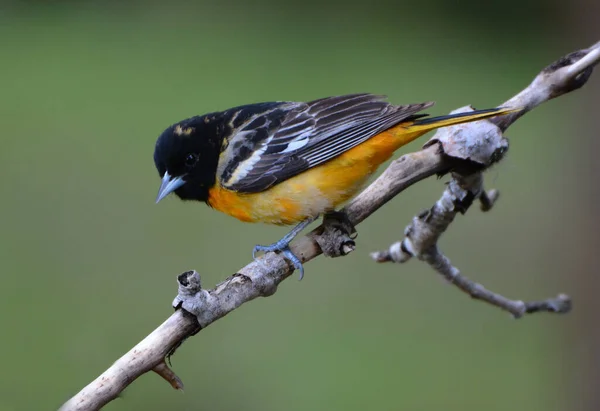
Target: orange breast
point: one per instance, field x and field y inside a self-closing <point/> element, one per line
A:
<point x="317" y="190"/>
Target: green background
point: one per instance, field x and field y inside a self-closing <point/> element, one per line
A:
<point x="88" y="262"/>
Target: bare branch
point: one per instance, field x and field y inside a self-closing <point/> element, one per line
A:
<point x="422" y="235"/>
<point x="149" y="354"/>
<point x="441" y="263"/>
<point x="261" y="277"/>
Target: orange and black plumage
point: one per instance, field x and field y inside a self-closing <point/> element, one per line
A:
<point x="289" y="162"/>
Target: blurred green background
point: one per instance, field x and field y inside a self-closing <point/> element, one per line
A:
<point x="88" y="262"/>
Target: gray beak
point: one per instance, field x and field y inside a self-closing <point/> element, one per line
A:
<point x="168" y="185"/>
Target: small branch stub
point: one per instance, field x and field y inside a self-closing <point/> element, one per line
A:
<point x="168" y="375"/>
<point x="487" y="199"/>
<point x="561" y="304"/>
<point x="336" y="235"/>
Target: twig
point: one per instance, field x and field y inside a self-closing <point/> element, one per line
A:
<point x="260" y="278"/>
<point x="441" y="263"/>
<point x="422" y="235"/>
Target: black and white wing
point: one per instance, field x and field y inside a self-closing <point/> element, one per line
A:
<point x="271" y="142"/>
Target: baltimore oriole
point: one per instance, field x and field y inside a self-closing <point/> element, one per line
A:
<point x="289" y="162"/>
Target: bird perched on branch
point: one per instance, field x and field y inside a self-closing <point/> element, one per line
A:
<point x="287" y="163"/>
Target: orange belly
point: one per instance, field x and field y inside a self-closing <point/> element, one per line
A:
<point x="317" y="190"/>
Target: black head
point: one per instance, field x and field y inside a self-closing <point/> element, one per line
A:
<point x="186" y="157"/>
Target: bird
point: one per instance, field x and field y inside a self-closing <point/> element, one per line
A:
<point x="288" y="162"/>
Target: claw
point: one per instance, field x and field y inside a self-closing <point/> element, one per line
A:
<point x="295" y="261"/>
<point x="284" y="249"/>
<point x="283" y="246"/>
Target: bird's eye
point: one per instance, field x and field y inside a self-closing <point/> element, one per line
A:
<point x="191" y="160"/>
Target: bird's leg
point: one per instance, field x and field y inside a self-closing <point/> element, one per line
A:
<point x="283" y="245"/>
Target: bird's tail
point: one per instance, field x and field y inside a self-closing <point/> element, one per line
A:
<point x="425" y="124"/>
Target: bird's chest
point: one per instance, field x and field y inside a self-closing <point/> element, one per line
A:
<point x="306" y="195"/>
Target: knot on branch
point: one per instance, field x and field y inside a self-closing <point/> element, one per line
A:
<point x="189" y="282"/>
<point x="258" y="279"/>
<point x="565" y="61"/>
<point x="571" y="82"/>
<point x="460" y="193"/>
<point x="480" y="143"/>
<point x="191" y="297"/>
<point x="336" y="235"/>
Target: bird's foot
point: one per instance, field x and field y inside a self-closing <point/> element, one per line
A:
<point x="282" y="247"/>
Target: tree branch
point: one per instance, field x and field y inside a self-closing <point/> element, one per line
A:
<point x="481" y="144"/>
<point x="422" y="235"/>
<point x="197" y="308"/>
